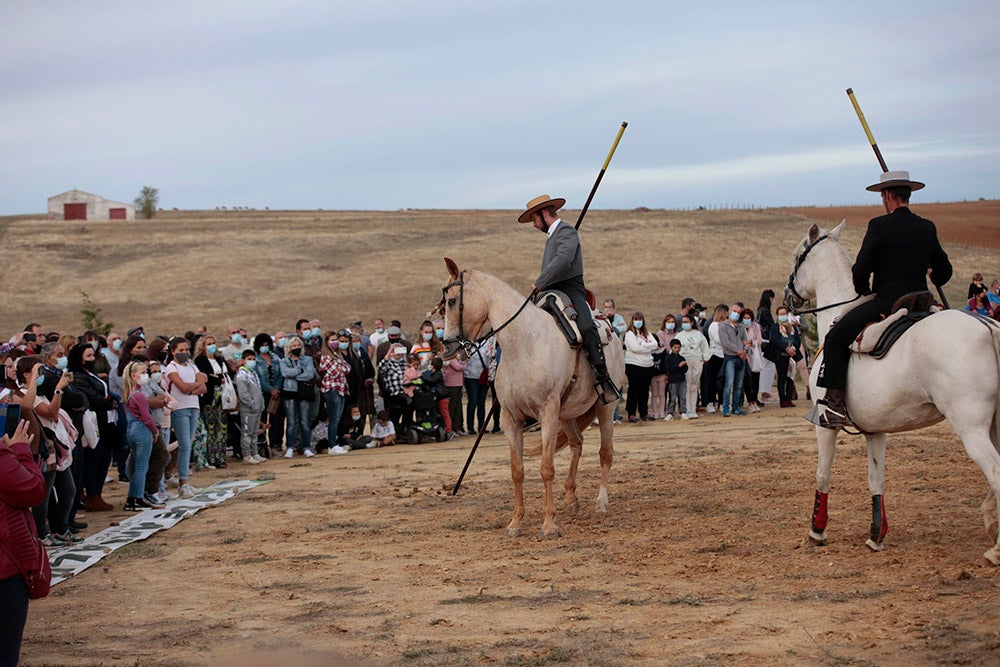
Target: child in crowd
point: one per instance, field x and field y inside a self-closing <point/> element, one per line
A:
<point x="251" y="405"/>
<point x="383" y="432"/>
<point x="434" y="378"/>
<point x="676" y="382"/>
<point x="411" y="373"/>
<point x="354" y="436"/>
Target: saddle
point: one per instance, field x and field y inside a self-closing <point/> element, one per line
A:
<point x="558" y="305"/>
<point x="877" y="338"/>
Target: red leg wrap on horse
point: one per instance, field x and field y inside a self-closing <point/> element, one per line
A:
<point x="819" y="512"/>
<point x="880" y="525"/>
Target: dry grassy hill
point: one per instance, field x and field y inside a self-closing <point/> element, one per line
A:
<point x="265" y="269"/>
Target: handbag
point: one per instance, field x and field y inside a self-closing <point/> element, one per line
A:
<point x="91" y="434"/>
<point x="273" y="404"/>
<point x="229" y="400"/>
<point x="38" y="576"/>
<point x="306" y="390"/>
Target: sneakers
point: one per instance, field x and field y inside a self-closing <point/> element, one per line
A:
<point x="685" y="415"/>
<point x="256" y="458"/>
<point x="173" y="480"/>
<point x="52" y="541"/>
<point x="737" y="411"/>
<point x="668" y="418"/>
<point x="710" y="408"/>
<point x="149" y="501"/>
<point x="252" y="460"/>
<point x="289" y="453"/>
<point x="308" y="453"/>
<point x="67" y="538"/>
<point x="336" y="449"/>
<point x="692" y="414"/>
<point x="188" y="491"/>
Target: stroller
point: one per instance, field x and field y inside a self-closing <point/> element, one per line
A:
<point x="426" y="422"/>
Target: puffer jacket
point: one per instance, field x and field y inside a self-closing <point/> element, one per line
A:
<point x="21" y="488"/>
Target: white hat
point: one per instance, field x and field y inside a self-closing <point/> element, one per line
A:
<point x="894" y="179"/>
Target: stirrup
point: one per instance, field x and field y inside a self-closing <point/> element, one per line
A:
<point x="607" y="391"/>
<point x="821" y="415"/>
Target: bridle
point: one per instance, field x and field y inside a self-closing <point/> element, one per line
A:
<point x="790" y="287"/>
<point x="468" y="344"/>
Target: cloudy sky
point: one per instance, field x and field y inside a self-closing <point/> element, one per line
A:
<point x="384" y="104"/>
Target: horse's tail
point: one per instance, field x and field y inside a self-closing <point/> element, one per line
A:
<point x="534" y="448"/>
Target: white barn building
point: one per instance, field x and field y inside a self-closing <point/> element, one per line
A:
<point x="80" y="205"/>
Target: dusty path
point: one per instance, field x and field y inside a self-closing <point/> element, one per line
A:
<point x="701" y="559"/>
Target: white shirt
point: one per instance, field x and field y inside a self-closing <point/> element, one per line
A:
<point x="553" y="226"/>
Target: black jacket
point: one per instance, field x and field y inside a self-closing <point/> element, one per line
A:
<point x="898" y="248"/>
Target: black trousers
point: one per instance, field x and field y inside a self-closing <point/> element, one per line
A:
<point x="577" y="293"/>
<point x="836" y="355"/>
<point x="13" y="616"/>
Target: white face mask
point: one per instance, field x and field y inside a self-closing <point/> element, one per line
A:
<point x="143" y="379"/>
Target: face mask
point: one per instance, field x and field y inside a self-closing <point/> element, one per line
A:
<point x="686" y="326"/>
<point x="317" y="332"/>
<point x="747" y="323"/>
<point x="251" y="364"/>
<point x="281" y="342"/>
<point x="333" y="345"/>
<point x="734" y="316"/>
<point x="211" y="348"/>
<point x="156" y="377"/>
<point x="40" y="381"/>
<point x="703" y="314"/>
<point x="89" y="365"/>
<point x="343" y="345"/>
<point x="671" y="326"/>
<point x="61" y="363"/>
<point x="440" y="333"/>
<point x="236" y="338"/>
<point x="427" y="335"/>
<point x="143" y="379"/>
<point x="380" y="329"/>
<point x="296" y="351"/>
<point x="356" y="346"/>
<point x="117" y="344"/>
<point x="264" y="349"/>
<point x="182" y="357"/>
<point x="782" y="318"/>
<point x="94" y="344"/>
<point x="356" y="417"/>
<point x="307" y="334"/>
<point x="637" y="324"/>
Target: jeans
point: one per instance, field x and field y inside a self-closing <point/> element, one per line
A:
<point x="678" y="398"/>
<point x="334" y="409"/>
<point x="183" y="422"/>
<point x="297" y="423"/>
<point x="477" y="404"/>
<point x="140" y="440"/>
<point x="732" y="391"/>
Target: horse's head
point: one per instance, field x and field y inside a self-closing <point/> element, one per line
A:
<point x="463" y="308"/>
<point x="803" y="280"/>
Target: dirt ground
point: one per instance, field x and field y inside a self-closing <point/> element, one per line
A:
<point x="702" y="559"/>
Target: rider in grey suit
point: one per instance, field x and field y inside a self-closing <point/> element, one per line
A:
<point x="562" y="270"/>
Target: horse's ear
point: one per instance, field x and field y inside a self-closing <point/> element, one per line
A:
<point x="813" y="233"/>
<point x="835" y="232"/>
<point x="452" y="267"/>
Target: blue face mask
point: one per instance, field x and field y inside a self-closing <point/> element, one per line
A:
<point x="307" y="334"/>
<point x="281" y="342"/>
<point x="236" y="338"/>
<point x="440" y="333"/>
<point x="427" y="336"/>
<point x="637" y="323"/>
<point x="40" y="381"/>
<point x="356" y="346"/>
<point x="734" y="316"/>
<point x="251" y="364"/>
<point x="686" y="326"/>
<point x="670" y="326"/>
<point x="264" y="349"/>
<point x="61" y="363"/>
<point x="317" y="332"/>
<point x="117" y="344"/>
<point x="211" y="348"/>
<point x="343" y="345"/>
<point x="747" y="323"/>
<point x="782" y="318"/>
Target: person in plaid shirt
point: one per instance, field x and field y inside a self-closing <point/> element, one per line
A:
<point x="390" y="374"/>
<point x="333" y="370"/>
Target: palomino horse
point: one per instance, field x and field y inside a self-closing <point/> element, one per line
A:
<point x="947" y="366"/>
<point x="540" y="376"/>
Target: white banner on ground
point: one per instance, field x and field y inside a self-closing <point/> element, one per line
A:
<point x="71" y="560"/>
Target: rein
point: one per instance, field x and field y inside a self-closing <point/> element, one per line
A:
<point x="461" y="338"/>
<point x="790" y="287"/>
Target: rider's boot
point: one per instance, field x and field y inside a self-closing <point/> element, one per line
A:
<point x="603" y="384"/>
<point x="831" y="411"/>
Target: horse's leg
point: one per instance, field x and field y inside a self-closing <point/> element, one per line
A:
<point x="572" y="433"/>
<point x="826" y="440"/>
<point x="549" y="418"/>
<point x="514" y="432"/>
<point x="876" y="484"/>
<point x="981" y="450"/>
<point x="606" y="418"/>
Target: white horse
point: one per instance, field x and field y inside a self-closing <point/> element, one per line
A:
<point x="539" y="376"/>
<point x="947" y="366"/>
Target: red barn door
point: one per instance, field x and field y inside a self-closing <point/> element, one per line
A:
<point x="74" y="211"/>
<point x="117" y="213"/>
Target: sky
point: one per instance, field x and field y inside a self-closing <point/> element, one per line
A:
<point x="388" y="104"/>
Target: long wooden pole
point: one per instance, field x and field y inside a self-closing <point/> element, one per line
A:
<point x="881" y="162"/>
<point x="600" y="175"/>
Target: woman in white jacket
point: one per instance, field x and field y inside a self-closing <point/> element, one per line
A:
<point x="639" y="347"/>
<point x="695" y="350"/>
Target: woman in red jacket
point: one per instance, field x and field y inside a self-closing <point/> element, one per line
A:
<point x="21" y="487"/>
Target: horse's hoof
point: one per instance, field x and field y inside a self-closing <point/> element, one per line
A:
<point x="993" y="555"/>
<point x="548" y="533"/>
<point x="817" y="539"/>
<point x="873" y="545"/>
<point x="512" y="532"/>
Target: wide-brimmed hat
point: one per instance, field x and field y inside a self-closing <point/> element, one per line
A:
<point x="537" y="204"/>
<point x="894" y="179"/>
